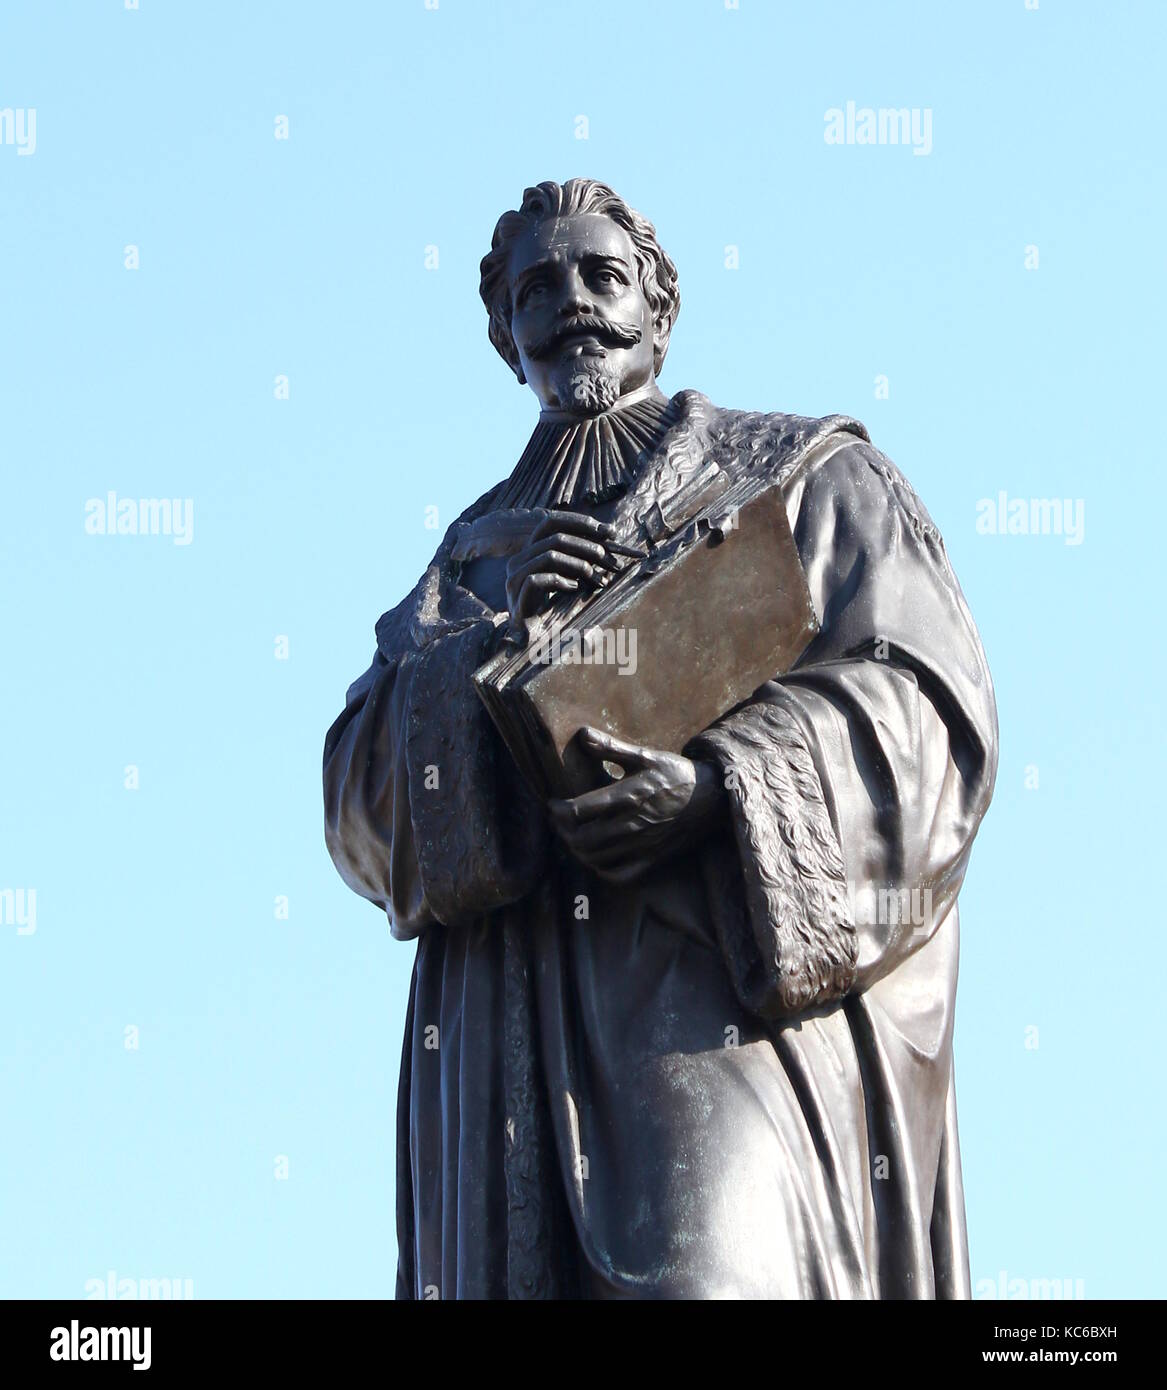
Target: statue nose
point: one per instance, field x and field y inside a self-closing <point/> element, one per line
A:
<point x="576" y="299"/>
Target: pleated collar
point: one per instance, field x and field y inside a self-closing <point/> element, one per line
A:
<point x="570" y="460"/>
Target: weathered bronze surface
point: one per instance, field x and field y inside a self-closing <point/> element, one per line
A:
<point x="687" y="1033"/>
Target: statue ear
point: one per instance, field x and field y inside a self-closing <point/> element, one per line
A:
<point x="662" y="332"/>
<point x="519" y="374"/>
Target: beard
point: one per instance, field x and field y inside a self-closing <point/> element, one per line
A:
<point x="587" y="388"/>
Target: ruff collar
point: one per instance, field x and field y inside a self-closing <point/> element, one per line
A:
<point x="570" y="460"/>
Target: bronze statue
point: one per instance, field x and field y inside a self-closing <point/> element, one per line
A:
<point x="686" y="1031"/>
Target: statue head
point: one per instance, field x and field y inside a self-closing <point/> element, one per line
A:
<point x="581" y="296"/>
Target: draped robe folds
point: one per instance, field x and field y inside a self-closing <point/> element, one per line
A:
<point x="730" y="1079"/>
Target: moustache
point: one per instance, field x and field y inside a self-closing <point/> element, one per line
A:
<point x="610" y="333"/>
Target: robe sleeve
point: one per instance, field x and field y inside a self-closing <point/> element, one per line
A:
<point x="423" y="813"/>
<point x="857" y="781"/>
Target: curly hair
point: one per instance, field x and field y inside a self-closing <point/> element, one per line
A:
<point x="658" y="275"/>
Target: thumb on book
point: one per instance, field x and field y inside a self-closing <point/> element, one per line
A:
<point x="612" y="749"/>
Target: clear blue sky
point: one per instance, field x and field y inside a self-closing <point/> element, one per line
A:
<point x="410" y="128"/>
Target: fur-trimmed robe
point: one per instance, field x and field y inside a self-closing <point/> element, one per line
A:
<point x="733" y="1079"/>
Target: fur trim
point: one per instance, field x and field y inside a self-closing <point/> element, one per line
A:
<point x="797" y="933"/>
<point x="476" y="835"/>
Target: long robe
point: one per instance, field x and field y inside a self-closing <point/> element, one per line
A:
<point x="732" y="1079"/>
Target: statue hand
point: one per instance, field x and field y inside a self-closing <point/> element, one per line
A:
<point x="664" y="803"/>
<point x="564" y="550"/>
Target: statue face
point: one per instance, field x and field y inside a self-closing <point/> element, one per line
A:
<point x="580" y="321"/>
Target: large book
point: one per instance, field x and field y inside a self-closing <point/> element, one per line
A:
<point x="717" y="605"/>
